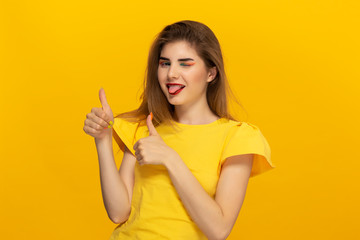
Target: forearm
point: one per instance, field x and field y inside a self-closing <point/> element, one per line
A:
<point x="202" y="208"/>
<point x="115" y="195"/>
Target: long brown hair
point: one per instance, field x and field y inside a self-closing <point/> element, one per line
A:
<point x="208" y="48"/>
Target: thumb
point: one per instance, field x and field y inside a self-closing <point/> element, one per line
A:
<point x="103" y="100"/>
<point x="150" y="125"/>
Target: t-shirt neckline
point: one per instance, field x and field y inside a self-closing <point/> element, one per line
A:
<point x="198" y="125"/>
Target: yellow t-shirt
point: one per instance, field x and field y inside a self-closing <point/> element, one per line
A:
<point x="156" y="209"/>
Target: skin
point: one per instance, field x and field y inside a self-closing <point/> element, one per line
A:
<point x="191" y="106"/>
<point x="215" y="217"/>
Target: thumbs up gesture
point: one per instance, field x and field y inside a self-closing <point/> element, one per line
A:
<point x="153" y="149"/>
<point x="99" y="121"/>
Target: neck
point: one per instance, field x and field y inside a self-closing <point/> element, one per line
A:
<point x="199" y="113"/>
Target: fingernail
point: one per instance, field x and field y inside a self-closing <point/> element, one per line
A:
<point x="109" y="126"/>
<point x="151" y="115"/>
<point x="111" y="123"/>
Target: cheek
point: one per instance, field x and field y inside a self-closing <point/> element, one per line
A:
<point x="158" y="73"/>
<point x="161" y="79"/>
<point x="161" y="75"/>
<point x="196" y="78"/>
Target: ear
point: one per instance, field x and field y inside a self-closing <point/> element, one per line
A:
<point x="212" y="74"/>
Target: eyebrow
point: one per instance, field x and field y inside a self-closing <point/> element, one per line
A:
<point x="180" y="59"/>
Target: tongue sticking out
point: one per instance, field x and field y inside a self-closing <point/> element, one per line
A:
<point x="174" y="88"/>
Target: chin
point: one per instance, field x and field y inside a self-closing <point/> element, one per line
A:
<point x="175" y="101"/>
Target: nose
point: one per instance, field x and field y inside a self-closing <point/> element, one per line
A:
<point x="173" y="72"/>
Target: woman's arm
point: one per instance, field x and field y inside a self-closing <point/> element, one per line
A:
<point x="115" y="193"/>
<point x="215" y="217"/>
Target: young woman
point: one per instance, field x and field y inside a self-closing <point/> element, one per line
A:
<point x="186" y="161"/>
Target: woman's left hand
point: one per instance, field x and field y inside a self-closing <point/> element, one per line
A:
<point x="153" y="149"/>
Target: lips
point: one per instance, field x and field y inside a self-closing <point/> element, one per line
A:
<point x="174" y="88"/>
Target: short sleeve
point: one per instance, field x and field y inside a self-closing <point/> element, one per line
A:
<point x="125" y="134"/>
<point x="246" y="138"/>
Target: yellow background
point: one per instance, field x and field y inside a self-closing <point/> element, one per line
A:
<point x="293" y="64"/>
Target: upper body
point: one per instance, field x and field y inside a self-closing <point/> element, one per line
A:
<point x="188" y="184"/>
<point x="156" y="207"/>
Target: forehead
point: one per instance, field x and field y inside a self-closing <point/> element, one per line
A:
<point x="179" y="49"/>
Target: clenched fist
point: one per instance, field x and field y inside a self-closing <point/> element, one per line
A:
<point x="99" y="121"/>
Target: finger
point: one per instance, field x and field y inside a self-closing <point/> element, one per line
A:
<point x="97" y="116"/>
<point x="91" y="130"/>
<point x="136" y="145"/>
<point x="100" y="113"/>
<point x="139" y="157"/>
<point x="137" y="152"/>
<point x="93" y="125"/>
<point x="103" y="100"/>
<point x="150" y="125"/>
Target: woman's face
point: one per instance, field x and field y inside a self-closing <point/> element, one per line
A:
<point x="181" y="67"/>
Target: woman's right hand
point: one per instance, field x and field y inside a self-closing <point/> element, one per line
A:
<point x="99" y="121"/>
